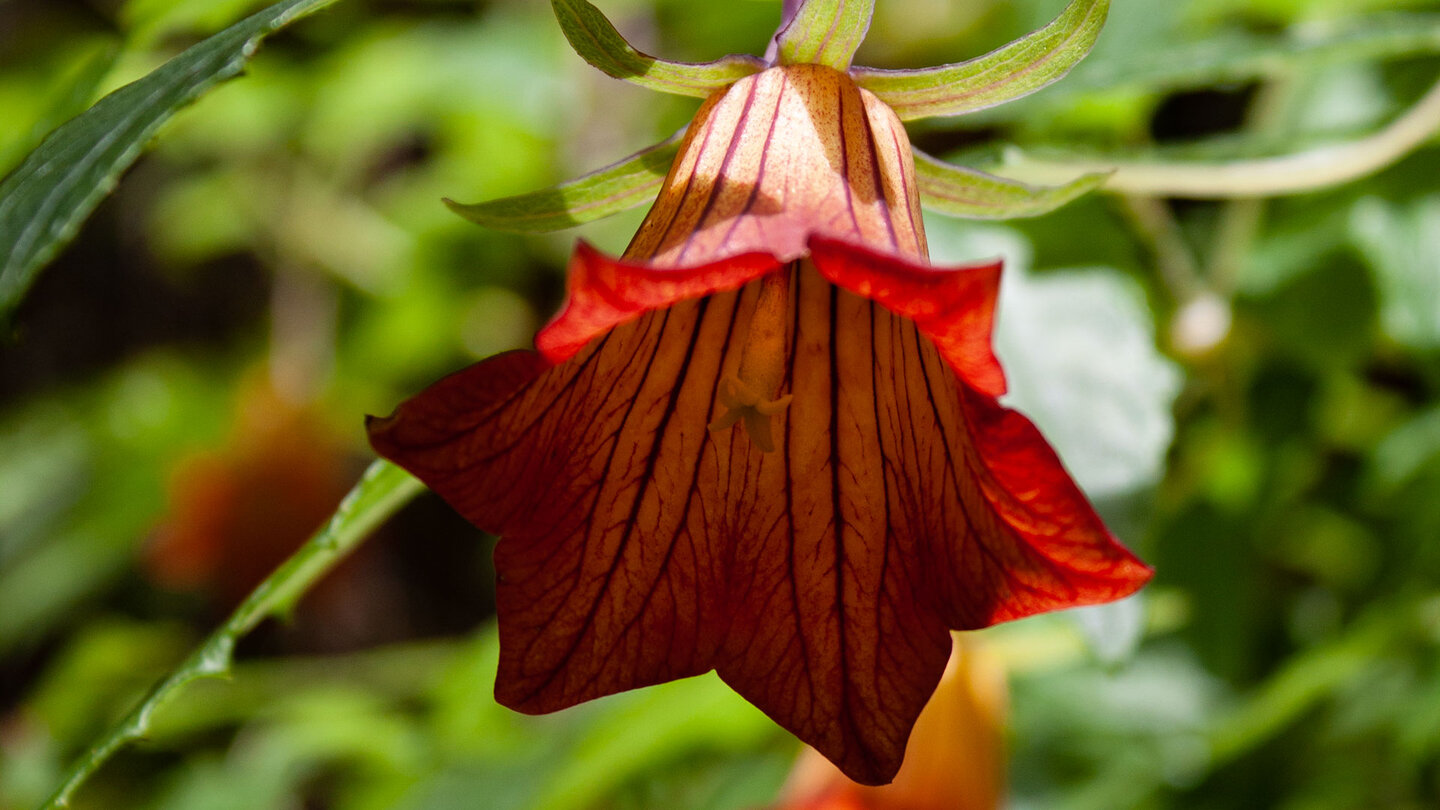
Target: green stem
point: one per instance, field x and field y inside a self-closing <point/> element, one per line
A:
<point x="1241" y="219"/>
<point x="1263" y="177"/>
<point x="1154" y="223"/>
<point x="380" y="493"/>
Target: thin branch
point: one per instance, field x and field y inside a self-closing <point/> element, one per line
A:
<point x="381" y="492"/>
<point x="1263" y="177"/>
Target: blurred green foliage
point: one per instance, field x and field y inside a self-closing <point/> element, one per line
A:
<point x="1249" y="390"/>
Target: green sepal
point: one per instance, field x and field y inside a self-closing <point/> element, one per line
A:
<point x="960" y="192"/>
<point x="45" y="200"/>
<point x="1005" y="74"/>
<point x="617" y="187"/>
<point x="825" y="32"/>
<point x="596" y="40"/>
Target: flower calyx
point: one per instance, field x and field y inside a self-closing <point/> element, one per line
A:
<point x="818" y="33"/>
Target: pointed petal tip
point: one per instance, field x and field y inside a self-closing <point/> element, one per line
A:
<point x="509" y="695"/>
<point x="1069" y="557"/>
<point x="376" y="429"/>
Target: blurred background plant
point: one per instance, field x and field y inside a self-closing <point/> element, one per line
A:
<point x="1249" y="389"/>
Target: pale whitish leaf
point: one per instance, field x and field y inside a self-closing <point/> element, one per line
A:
<point x="1401" y="243"/>
<point x="1016" y="70"/>
<point x="617" y="187"/>
<point x="1113" y="630"/>
<point x="44" y="201"/>
<point x="596" y="40"/>
<point x="961" y="192"/>
<point x="1079" y="352"/>
<point x="825" y="32"/>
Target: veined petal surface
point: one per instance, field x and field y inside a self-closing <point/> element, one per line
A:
<point x="819" y="580"/>
<point x="877" y="496"/>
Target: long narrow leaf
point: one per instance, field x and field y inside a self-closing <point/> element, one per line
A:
<point x="617" y="187"/>
<point x="73" y="94"/>
<point x="962" y="192"/>
<point x="596" y="40"/>
<point x="1016" y="70"/>
<point x="825" y="32"/>
<point x="381" y="492"/>
<point x="44" y="201"/>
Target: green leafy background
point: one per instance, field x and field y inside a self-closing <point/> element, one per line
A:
<point x="1250" y="391"/>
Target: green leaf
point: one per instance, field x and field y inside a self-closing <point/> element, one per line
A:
<point x="1233" y="57"/>
<point x="381" y="492"/>
<point x="1078" y="347"/>
<point x="1402" y="454"/>
<point x="825" y="32"/>
<point x="74" y="91"/>
<point x="596" y="40"/>
<point x="1016" y="70"/>
<point x="1308" y="677"/>
<point x="617" y="187"/>
<point x="1401" y="244"/>
<point x="44" y="201"/>
<point x="961" y="192"/>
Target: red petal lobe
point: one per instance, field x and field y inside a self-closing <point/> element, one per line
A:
<point x="953" y="306"/>
<point x="606" y="292"/>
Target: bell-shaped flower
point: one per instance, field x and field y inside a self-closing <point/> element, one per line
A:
<point x="765" y="440"/>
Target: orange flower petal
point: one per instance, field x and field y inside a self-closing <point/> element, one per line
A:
<point x="606" y="292"/>
<point x="953" y="306"/>
<point x="820" y="579"/>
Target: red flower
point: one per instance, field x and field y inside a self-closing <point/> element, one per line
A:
<point x="765" y="441"/>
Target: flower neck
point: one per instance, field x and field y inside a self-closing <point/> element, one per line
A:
<point x="778" y="157"/>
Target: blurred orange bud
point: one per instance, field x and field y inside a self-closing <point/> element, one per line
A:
<point x="236" y="513"/>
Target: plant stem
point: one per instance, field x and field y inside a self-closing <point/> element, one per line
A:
<point x="1263" y="177"/>
<point x="382" y="490"/>
<point x="1154" y="222"/>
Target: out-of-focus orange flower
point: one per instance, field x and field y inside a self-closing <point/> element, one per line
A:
<point x="955" y="759"/>
<point x="237" y="512"/>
